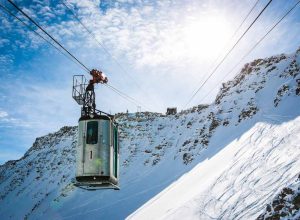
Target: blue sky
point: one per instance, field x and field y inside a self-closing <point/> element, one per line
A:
<point x="166" y="48"/>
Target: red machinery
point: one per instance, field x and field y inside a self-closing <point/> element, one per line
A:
<point x="98" y="77"/>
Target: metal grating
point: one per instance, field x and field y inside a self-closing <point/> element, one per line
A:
<point x="79" y="85"/>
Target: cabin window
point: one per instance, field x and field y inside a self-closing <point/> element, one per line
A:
<point x="92" y="132"/>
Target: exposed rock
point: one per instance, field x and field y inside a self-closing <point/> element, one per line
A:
<point x="248" y="113"/>
<point x="187" y="158"/>
<point x="280" y="93"/>
<point x="285" y="205"/>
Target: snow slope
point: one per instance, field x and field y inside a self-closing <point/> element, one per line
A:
<point x="237" y="182"/>
<point x="253" y="119"/>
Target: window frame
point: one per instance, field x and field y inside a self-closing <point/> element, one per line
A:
<point x="94" y="125"/>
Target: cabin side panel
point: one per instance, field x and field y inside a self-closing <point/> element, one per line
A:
<point x="80" y="149"/>
<point x="105" y="147"/>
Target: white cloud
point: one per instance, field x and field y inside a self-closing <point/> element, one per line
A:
<point x="3" y="114"/>
<point x="7" y="121"/>
<point x="147" y="33"/>
<point x="3" y="42"/>
<point x="6" y="59"/>
<point x="155" y="41"/>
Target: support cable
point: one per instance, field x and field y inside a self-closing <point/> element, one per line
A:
<point x="42" y="29"/>
<point x="127" y="97"/>
<point x="122" y="94"/>
<point x="219" y="64"/>
<point x="37" y="33"/>
<point x="237" y="30"/>
<point x="254" y="46"/>
<point x="102" y="46"/>
<point x="231" y="38"/>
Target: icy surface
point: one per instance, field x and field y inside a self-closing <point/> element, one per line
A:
<point x="225" y="160"/>
<point x="235" y="183"/>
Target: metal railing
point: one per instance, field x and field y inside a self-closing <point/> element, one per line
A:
<point x="79" y="85"/>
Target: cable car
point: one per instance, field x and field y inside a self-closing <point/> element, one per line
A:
<point x="97" y="158"/>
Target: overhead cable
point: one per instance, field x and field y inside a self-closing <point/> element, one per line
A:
<point x="231" y="38"/>
<point x="102" y="46"/>
<point x="127" y="97"/>
<point x="37" y="33"/>
<point x="252" y="48"/>
<point x="122" y="94"/>
<point x="227" y="54"/>
<point x="42" y="29"/>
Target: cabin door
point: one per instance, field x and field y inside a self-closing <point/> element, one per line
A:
<point x="92" y="141"/>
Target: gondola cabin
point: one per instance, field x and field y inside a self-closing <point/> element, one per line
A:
<point x="97" y="158"/>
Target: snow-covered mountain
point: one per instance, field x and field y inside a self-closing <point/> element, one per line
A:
<point x="231" y="159"/>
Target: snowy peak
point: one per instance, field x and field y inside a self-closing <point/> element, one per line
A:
<point x="253" y="75"/>
<point x="261" y="84"/>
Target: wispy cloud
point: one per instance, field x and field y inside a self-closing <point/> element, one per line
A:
<point x="3" y="114"/>
<point x="6" y="62"/>
<point x="3" y="42"/>
<point x="146" y="33"/>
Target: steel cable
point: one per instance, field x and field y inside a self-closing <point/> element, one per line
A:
<point x="252" y="48"/>
<point x="227" y="54"/>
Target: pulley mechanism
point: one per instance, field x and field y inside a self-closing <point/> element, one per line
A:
<point x="84" y="94"/>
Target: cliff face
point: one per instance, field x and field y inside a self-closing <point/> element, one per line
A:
<point x="156" y="150"/>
